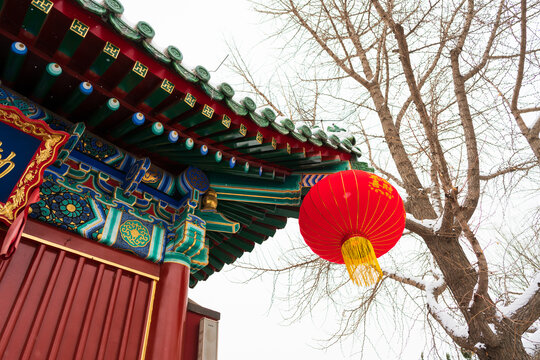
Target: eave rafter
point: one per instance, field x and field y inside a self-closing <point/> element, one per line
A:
<point x="122" y="64"/>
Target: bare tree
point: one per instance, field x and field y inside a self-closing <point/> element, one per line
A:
<point x="452" y="86"/>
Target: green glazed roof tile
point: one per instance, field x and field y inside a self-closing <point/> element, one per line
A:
<point x="211" y="91"/>
<point x="236" y="107"/>
<point x="305" y="130"/>
<point x="321" y="135"/>
<point x="281" y="129"/>
<point x="93" y="7"/>
<point x="158" y="55"/>
<point x="120" y="26"/>
<point x="344" y="148"/>
<point x="258" y="119"/>
<point x="269" y="114"/>
<point x="115" y="7"/>
<point x="298" y="136"/>
<point x="315" y="141"/>
<point x="288" y="124"/>
<point x="202" y="73"/>
<point x="226" y="90"/>
<point x="335" y="140"/>
<point x="347" y="144"/>
<point x="184" y="73"/>
<point x="249" y="104"/>
<point x="145" y="30"/>
<point x="174" y="53"/>
<point x="333" y="146"/>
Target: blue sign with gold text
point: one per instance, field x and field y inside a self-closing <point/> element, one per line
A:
<point x="16" y="151"/>
<point x="27" y="148"/>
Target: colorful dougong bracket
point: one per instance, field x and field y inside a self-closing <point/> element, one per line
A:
<point x="75" y="134"/>
<point x="135" y="175"/>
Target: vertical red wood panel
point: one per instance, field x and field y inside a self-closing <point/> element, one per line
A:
<point x="10" y="323"/>
<point x="75" y="311"/>
<point x="89" y="313"/>
<point x="96" y="326"/>
<point x="54" y="310"/>
<point x="129" y="317"/>
<point x="66" y="308"/>
<point x="13" y="279"/>
<point x="43" y="306"/>
<point x="104" y="340"/>
<point x="66" y="297"/>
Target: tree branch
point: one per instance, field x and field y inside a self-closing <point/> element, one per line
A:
<point x="458" y="333"/>
<point x="485" y="57"/>
<point x="520" y="167"/>
<point x="420" y="284"/>
<point x="525" y="309"/>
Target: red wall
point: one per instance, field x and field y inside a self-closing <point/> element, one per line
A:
<point x="57" y="300"/>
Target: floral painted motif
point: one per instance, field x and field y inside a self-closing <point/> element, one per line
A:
<point x="65" y="210"/>
<point x="135" y="233"/>
<point x="96" y="148"/>
<point x="71" y="209"/>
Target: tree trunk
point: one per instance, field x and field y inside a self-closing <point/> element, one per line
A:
<point x="458" y="273"/>
<point x="510" y="348"/>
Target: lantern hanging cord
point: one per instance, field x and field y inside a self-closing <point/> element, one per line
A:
<point x="361" y="261"/>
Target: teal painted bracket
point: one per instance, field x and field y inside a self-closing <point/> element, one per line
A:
<point x="190" y="240"/>
<point x="216" y="221"/>
<point x="328" y="169"/>
<point x="237" y="188"/>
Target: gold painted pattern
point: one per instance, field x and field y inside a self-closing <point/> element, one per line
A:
<point x="381" y="186"/>
<point x="79" y="28"/>
<point x="6" y="163"/>
<point x="150" y="177"/>
<point x="259" y="137"/>
<point x="167" y="86"/>
<point x="243" y="129"/>
<point x="111" y="50"/>
<point x="190" y="100"/>
<point x="226" y="121"/>
<point x="208" y="111"/>
<point x="274" y="143"/>
<point x="43" y="5"/>
<point x="140" y="69"/>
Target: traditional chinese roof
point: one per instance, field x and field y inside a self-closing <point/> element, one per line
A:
<point x="80" y="59"/>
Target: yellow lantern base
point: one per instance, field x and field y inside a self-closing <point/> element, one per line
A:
<point x="361" y="261"/>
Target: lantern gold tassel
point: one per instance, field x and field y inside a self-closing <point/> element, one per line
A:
<point x="361" y="261"/>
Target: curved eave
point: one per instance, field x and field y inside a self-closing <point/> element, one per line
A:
<point x="258" y="223"/>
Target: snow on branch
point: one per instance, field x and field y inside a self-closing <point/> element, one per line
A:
<point x="523" y="299"/>
<point x="417" y="282"/>
<point x="433" y="225"/>
<point x="525" y="309"/>
<point x="416" y="226"/>
<point x="459" y="333"/>
<point x="531" y="343"/>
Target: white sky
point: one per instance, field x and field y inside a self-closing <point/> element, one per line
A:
<point x="249" y="328"/>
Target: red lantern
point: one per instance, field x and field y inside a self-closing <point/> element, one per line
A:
<point x="353" y="217"/>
